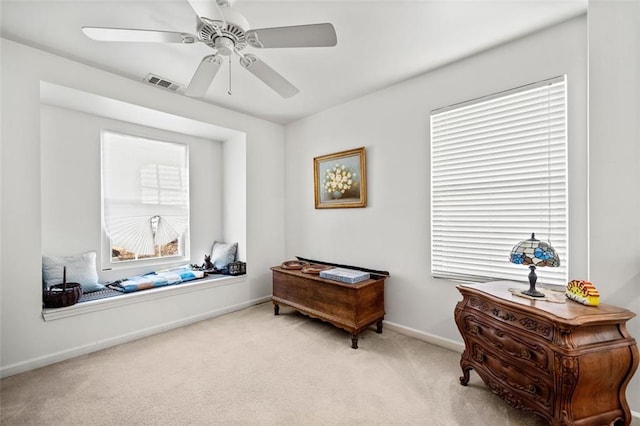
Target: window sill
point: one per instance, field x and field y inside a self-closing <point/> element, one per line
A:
<point x="51" y="314"/>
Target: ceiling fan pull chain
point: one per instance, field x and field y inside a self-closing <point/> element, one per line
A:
<point x="229" y="91"/>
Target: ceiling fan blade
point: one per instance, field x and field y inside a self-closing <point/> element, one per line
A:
<point x="126" y="34"/>
<point x="207" y="10"/>
<point x="203" y="76"/>
<point x="313" y="35"/>
<point x="268" y="75"/>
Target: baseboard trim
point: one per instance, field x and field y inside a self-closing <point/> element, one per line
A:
<point x="426" y="337"/>
<point x="43" y="361"/>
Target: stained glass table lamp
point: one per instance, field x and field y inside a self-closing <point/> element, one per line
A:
<point x="534" y="253"/>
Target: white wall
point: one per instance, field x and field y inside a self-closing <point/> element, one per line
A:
<point x="614" y="158"/>
<point x="392" y="233"/>
<point x="28" y="341"/>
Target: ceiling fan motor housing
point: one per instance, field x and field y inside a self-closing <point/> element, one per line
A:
<point x="225" y="38"/>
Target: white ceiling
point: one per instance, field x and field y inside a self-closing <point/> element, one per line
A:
<point x="380" y="43"/>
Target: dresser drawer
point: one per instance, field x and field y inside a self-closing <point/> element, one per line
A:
<point x="528" y="352"/>
<point x="522" y="321"/>
<point x="510" y="381"/>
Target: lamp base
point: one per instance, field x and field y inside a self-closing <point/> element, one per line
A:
<point x="532" y="293"/>
<point x="532" y="284"/>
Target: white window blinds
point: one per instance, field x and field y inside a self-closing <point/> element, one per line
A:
<point x="499" y="173"/>
<point x="145" y="194"/>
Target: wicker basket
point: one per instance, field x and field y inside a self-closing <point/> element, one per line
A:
<point x="61" y="295"/>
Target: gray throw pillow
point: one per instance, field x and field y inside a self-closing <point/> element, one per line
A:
<point x="81" y="268"/>
<point x="222" y="254"/>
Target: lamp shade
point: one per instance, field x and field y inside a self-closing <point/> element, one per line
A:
<point x="534" y="252"/>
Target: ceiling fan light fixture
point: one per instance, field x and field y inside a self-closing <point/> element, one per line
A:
<point x="224" y="45"/>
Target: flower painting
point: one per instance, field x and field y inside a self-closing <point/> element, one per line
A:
<point x="340" y="179"/>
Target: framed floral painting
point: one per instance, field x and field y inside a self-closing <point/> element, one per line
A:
<point x="340" y="179"/>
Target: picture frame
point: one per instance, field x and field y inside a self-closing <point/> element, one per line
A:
<point x="340" y="179"/>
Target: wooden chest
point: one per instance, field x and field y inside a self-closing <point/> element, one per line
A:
<point x="352" y="307"/>
<point x="566" y="362"/>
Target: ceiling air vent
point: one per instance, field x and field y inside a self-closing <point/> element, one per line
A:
<point x="156" y="80"/>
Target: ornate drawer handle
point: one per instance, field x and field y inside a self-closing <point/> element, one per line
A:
<point x="480" y="357"/>
<point x="526" y="354"/>
<point x="532" y="388"/>
<point x="475" y="329"/>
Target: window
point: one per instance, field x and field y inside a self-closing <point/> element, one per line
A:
<point x="145" y="200"/>
<point x="499" y="173"/>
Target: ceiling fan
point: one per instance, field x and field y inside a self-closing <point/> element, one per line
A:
<point x="227" y="32"/>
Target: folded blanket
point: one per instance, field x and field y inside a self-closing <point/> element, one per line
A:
<point x="155" y="279"/>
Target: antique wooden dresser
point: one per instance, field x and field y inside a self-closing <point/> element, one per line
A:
<point x="566" y="362"/>
<point x="352" y="307"/>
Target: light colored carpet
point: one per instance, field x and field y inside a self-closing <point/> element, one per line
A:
<point x="251" y="367"/>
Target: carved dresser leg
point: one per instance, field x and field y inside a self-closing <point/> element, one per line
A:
<point x="464" y="379"/>
<point x="276" y="309"/>
<point x="354" y="341"/>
